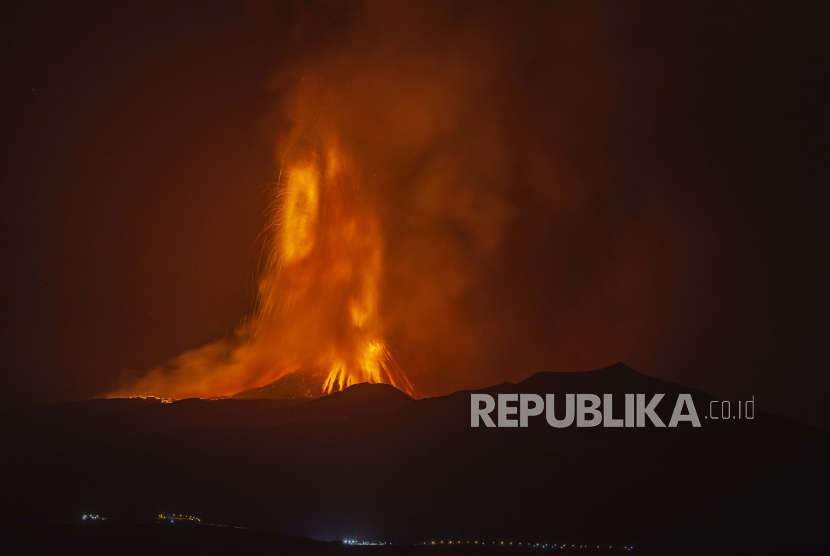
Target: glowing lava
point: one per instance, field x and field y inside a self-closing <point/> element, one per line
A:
<point x="318" y="295"/>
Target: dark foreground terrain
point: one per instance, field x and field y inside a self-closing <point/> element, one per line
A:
<point x="161" y="538"/>
<point x="370" y="463"/>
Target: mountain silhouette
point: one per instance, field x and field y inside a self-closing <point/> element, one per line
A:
<point x="151" y="416"/>
<point x="302" y="383"/>
<point x="369" y="462"/>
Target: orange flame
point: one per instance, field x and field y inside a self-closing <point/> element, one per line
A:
<point x="318" y="295"/>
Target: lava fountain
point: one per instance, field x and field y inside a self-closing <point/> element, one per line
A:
<point x="318" y="295"/>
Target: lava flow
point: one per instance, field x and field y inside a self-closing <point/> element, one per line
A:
<point x="317" y="304"/>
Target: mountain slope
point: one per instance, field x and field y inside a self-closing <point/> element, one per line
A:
<point x="302" y="383"/>
<point x="153" y="417"/>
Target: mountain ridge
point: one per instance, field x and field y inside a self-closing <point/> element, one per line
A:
<point x="416" y="469"/>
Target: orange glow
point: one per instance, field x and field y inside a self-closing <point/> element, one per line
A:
<point x="318" y="294"/>
<point x="300" y="213"/>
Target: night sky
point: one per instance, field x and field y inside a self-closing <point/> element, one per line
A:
<point x="561" y="185"/>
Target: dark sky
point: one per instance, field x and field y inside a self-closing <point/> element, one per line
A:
<point x="562" y="185"/>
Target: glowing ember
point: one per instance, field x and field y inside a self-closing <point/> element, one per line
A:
<point x="318" y="295"/>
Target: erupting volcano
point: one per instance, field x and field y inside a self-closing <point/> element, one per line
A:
<point x="317" y="305"/>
